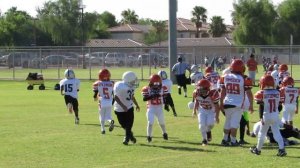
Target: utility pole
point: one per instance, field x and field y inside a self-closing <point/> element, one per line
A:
<point x="172" y="36"/>
<point x="81" y="7"/>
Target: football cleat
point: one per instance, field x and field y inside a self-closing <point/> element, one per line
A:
<point x="204" y="142"/>
<point x="234" y="143"/>
<point x="76" y="121"/>
<point x="111" y="125"/>
<point x="125" y="141"/>
<point x="281" y="153"/>
<point x="149" y="139"/>
<point x="165" y="136"/>
<point x="103" y="132"/>
<point x="175" y="114"/>
<point x="224" y="143"/>
<point x="254" y="150"/>
<point x="242" y="142"/>
<point x="133" y="139"/>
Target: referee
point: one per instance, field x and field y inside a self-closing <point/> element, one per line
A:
<point x="179" y="71"/>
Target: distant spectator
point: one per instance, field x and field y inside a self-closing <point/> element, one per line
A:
<point x="252" y="68"/>
<point x="206" y="61"/>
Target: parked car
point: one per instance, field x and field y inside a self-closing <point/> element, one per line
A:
<point x="18" y="59"/>
<point x="95" y="58"/>
<point x="153" y="59"/>
<point x="59" y="60"/>
<point x="117" y="58"/>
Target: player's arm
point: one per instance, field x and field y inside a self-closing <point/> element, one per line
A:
<point x="296" y="112"/>
<point x="215" y="97"/>
<point x="137" y="107"/>
<point x="120" y="103"/>
<point x="248" y="87"/>
<point x="146" y="95"/>
<point x="62" y="90"/>
<point x="195" y="109"/>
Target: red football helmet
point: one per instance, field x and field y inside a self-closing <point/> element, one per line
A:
<point x="237" y="66"/>
<point x="203" y="86"/>
<point x="267" y="82"/>
<point x="283" y="68"/>
<point x="208" y="70"/>
<point x="155" y="81"/>
<point x="104" y="75"/>
<point x="288" y="81"/>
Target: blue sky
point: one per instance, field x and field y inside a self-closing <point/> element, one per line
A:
<point x="154" y="9"/>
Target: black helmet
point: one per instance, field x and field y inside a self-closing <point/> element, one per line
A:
<point x="179" y="59"/>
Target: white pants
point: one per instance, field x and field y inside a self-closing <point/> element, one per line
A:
<point x="270" y="120"/>
<point x="288" y="112"/>
<point x="232" y="117"/>
<point x="206" y="120"/>
<point x="105" y="113"/>
<point x="155" y="111"/>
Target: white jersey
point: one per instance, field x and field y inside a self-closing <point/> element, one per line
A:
<point x="270" y="99"/>
<point x="155" y="102"/>
<point x="71" y="86"/>
<point x="196" y="76"/>
<point x="125" y="94"/>
<point x="275" y="75"/>
<point x="168" y="84"/>
<point x="235" y="86"/>
<point x="213" y="78"/>
<point x="289" y="95"/>
<point x="105" y="92"/>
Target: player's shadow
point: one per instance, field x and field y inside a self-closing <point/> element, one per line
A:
<point x="98" y="125"/>
<point x="177" y="148"/>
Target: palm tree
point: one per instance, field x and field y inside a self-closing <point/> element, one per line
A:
<point x="199" y="17"/>
<point x="129" y="17"/>
<point x="217" y="27"/>
<point x="160" y="29"/>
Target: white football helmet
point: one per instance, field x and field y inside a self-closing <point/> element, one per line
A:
<point x="194" y="68"/>
<point x="69" y="74"/>
<point x="191" y="105"/>
<point x="276" y="66"/>
<point x="163" y="74"/>
<point x="130" y="79"/>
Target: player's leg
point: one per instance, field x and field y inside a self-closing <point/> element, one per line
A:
<point x="277" y="136"/>
<point x="202" y="120"/>
<point x="243" y="124"/>
<point x="102" y="119"/>
<point x="210" y="124"/>
<point x="161" y="122"/>
<point x="108" y="117"/>
<point x="226" y="129"/>
<point x="76" y="110"/>
<point x="150" y="121"/>
<point x="130" y="121"/>
<point x="171" y="103"/>
<point x="234" y="124"/>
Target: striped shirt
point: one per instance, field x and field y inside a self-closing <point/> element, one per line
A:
<point x="180" y="67"/>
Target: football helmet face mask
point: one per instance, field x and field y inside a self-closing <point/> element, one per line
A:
<point x="203" y="87"/>
<point x="130" y="79"/>
<point x="283" y="68"/>
<point x="237" y="66"/>
<point x="288" y="81"/>
<point x="104" y="75"/>
<point x="194" y="68"/>
<point x="163" y="75"/>
<point x="69" y="74"/>
<point x="267" y="82"/>
<point x="155" y="82"/>
<point x="208" y="70"/>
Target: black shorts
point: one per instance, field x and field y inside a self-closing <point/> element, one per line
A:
<point x="73" y="101"/>
<point x="169" y="100"/>
<point x="181" y="80"/>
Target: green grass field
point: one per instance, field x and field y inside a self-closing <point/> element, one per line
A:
<point x="37" y="131"/>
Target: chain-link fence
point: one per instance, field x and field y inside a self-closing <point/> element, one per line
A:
<point x="16" y="63"/>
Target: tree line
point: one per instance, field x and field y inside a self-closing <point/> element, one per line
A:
<point x="64" y="23"/>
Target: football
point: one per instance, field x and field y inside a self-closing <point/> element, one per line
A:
<point x="191" y="105"/>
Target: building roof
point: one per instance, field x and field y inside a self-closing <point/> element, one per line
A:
<point x="114" y="43"/>
<point x="130" y="28"/>
<point x="184" y="42"/>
